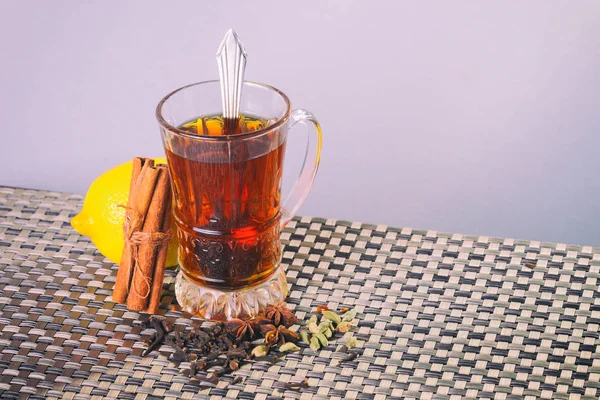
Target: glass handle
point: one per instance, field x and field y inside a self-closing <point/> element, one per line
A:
<point x="312" y="156"/>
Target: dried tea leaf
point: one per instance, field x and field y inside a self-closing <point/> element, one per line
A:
<point x="333" y="317"/>
<point x="289" y="346"/>
<point x="349" y="315"/>
<point x="313" y="328"/>
<point x="304" y="336"/>
<point x="344" y="326"/>
<point x="314" y="344"/>
<point x="260" y="350"/>
<point x="322" y="339"/>
<point x="351" y="343"/>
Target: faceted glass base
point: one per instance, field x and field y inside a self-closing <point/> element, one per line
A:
<point x="217" y="305"/>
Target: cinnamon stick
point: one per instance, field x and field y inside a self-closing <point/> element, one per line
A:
<point x="143" y="182"/>
<point x="150" y="243"/>
<point x="161" y="258"/>
<point x="138" y="163"/>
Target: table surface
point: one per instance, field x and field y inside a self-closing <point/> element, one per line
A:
<point x="442" y="315"/>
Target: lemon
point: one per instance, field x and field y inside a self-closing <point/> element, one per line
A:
<point x="101" y="217"/>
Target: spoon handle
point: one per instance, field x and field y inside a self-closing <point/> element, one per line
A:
<point x="231" y="58"/>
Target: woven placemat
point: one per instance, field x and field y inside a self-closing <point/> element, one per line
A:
<point x="443" y="316"/>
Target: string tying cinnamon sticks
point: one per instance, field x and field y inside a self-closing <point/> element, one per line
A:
<point x="154" y="239"/>
<point x="147" y="233"/>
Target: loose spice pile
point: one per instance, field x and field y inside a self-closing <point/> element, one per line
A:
<point x="224" y="347"/>
<point x="318" y="335"/>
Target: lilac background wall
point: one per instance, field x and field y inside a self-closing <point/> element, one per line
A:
<point x="463" y="116"/>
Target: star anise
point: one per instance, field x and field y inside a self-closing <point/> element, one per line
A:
<point x="258" y="322"/>
<point x="246" y="329"/>
<point x="241" y="329"/>
<point x="279" y="314"/>
<point x="278" y="335"/>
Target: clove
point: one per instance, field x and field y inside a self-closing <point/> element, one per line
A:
<point x="349" y="357"/>
<point x="179" y="356"/>
<point x="236" y="380"/>
<point x="296" y="385"/>
<point x="220" y="372"/>
<point x="148" y="341"/>
<point x="234" y="353"/>
<point x="193" y="370"/>
<point x="168" y="327"/>
<point x="212" y="356"/>
<point x="233" y="365"/>
<point x="159" y="339"/>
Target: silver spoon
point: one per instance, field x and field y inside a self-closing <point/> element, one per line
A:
<point x="231" y="58"/>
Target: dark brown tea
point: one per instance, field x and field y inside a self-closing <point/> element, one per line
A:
<point x="227" y="203"/>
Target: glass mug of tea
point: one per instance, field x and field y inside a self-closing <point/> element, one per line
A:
<point x="227" y="202"/>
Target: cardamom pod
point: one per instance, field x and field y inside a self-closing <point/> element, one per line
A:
<point x="304" y="336"/>
<point x="260" y="350"/>
<point x="313" y="318"/>
<point x="322" y="339"/>
<point x="344" y="326"/>
<point x="328" y="333"/>
<point x="324" y="325"/>
<point x="333" y="317"/>
<point x="349" y="315"/>
<point x="314" y="344"/>
<point x="351" y="343"/>
<point x="289" y="346"/>
<point x="313" y="328"/>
